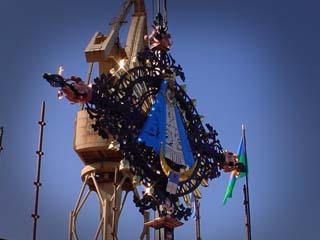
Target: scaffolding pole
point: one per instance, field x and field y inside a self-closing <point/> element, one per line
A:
<point x="37" y="182"/>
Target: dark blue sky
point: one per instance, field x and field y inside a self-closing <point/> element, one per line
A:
<point x="251" y="62"/>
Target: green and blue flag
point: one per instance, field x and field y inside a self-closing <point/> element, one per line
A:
<point x="242" y="157"/>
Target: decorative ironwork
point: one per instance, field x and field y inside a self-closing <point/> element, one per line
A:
<point x="74" y="88"/>
<point x="120" y="108"/>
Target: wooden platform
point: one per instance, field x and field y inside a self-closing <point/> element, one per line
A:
<point x="164" y="222"/>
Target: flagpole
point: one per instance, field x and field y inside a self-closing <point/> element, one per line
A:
<point x="246" y="189"/>
<point x="247" y="221"/>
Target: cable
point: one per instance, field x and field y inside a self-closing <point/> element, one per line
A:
<point x="152" y="9"/>
<point x="165" y="11"/>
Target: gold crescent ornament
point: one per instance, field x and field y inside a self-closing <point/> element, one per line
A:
<point x="183" y="175"/>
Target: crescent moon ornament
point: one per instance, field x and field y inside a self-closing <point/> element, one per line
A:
<point x="184" y="175"/>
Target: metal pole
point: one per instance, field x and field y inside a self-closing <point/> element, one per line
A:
<point x="152" y="9"/>
<point x="197" y="215"/>
<point x="245" y="203"/>
<point x="158" y="6"/>
<point x="88" y="80"/>
<point x="70" y="226"/>
<point x="37" y="183"/>
<point x="114" y="208"/>
<point x="246" y="188"/>
<point x="146" y="230"/>
<point x="165" y="12"/>
<point x="1" y="136"/>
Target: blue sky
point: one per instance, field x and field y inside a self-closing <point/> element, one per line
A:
<point x="251" y="62"/>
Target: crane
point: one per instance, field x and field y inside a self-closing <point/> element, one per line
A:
<point x="105" y="171"/>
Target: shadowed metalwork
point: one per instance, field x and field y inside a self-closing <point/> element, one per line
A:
<point x="120" y="107"/>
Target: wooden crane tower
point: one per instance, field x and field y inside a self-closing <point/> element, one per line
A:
<point x="105" y="171"/>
